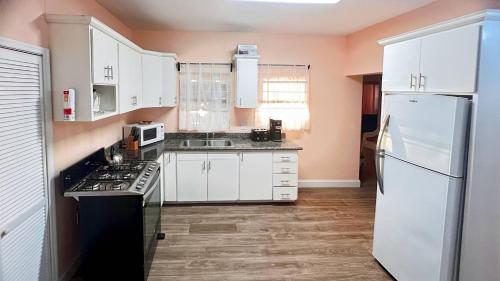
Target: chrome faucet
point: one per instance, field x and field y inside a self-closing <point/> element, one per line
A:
<point x="210" y="133"/>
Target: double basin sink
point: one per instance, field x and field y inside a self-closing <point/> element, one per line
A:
<point x="214" y="143"/>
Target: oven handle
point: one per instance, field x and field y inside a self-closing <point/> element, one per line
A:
<point x="150" y="191"/>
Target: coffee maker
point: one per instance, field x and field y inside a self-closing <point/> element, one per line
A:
<point x="275" y="130"/>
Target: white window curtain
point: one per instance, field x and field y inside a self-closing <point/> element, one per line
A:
<point x="205" y="97"/>
<point x="284" y="95"/>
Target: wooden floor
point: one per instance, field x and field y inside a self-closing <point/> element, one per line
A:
<point x="326" y="235"/>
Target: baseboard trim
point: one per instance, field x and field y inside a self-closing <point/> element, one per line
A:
<point x="70" y="272"/>
<point x="329" y="183"/>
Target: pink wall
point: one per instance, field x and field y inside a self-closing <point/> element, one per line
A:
<point x="364" y="54"/>
<point x="331" y="145"/>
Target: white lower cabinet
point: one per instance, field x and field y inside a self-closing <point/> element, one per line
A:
<point x="170" y="177"/>
<point x="162" y="177"/>
<point x="256" y="176"/>
<point x="223" y="177"/>
<point x="192" y="177"/>
<point x="230" y="176"/>
<point x="285" y="177"/>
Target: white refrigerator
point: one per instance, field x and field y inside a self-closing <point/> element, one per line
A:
<point x="420" y="171"/>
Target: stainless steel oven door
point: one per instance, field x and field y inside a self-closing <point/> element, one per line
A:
<point x="152" y="215"/>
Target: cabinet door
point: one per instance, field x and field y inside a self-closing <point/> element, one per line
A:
<point x="256" y="176"/>
<point x="169" y="82"/>
<point x="151" y="80"/>
<point x="192" y="177"/>
<point x="401" y="66"/>
<point x="449" y="61"/>
<point x="246" y="83"/>
<point x="130" y="87"/>
<point x="104" y="58"/>
<point x="223" y="177"/>
<point x="170" y="176"/>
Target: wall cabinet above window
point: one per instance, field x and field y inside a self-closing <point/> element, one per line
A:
<point x="104" y="68"/>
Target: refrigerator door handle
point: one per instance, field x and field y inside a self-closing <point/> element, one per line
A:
<point x="380" y="153"/>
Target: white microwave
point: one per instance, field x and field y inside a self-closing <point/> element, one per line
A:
<point x="148" y="133"/>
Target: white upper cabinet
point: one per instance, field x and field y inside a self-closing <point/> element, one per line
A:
<point x="401" y="66"/>
<point x="159" y="77"/>
<point x="104" y="69"/>
<point x="443" y="62"/>
<point x="104" y="58"/>
<point x="130" y="86"/>
<point x="449" y="61"/>
<point x="246" y="82"/>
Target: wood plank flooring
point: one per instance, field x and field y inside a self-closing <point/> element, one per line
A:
<point x="325" y="235"/>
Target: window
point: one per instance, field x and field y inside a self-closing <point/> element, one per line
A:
<point x="205" y="92"/>
<point x="283" y="94"/>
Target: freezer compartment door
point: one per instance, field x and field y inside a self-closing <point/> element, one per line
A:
<point x="416" y="222"/>
<point x="428" y="131"/>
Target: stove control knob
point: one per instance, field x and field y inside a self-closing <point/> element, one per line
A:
<point x="150" y="169"/>
<point x="139" y="186"/>
<point x="148" y="174"/>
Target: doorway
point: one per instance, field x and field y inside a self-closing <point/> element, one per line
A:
<point x="370" y="121"/>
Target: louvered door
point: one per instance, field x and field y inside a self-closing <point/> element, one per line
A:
<point x="23" y="202"/>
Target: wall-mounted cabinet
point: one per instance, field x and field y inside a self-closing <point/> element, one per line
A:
<point x="130" y="86"/>
<point x="159" y="77"/>
<point x="247" y="76"/>
<point x="104" y="68"/>
<point x="443" y="62"/>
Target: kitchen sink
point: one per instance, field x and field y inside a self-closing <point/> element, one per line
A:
<point x="207" y="143"/>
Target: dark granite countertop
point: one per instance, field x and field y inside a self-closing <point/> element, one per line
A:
<point x="172" y="143"/>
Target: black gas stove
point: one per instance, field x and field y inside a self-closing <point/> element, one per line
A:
<point x="119" y="214"/>
<point x="129" y="177"/>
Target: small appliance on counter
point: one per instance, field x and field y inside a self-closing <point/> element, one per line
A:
<point x="275" y="130"/>
<point x="144" y="132"/>
<point x="259" y="135"/>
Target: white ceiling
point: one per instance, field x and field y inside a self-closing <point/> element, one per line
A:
<point x="236" y="15"/>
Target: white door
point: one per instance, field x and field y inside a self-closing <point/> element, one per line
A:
<point x="246" y="83"/>
<point x="416" y="222"/>
<point x="130" y="87"/>
<point x="449" y="61"/>
<point x="104" y="58"/>
<point x="401" y="66"/>
<point x="152" y="80"/>
<point x="429" y="131"/>
<point x="170" y="176"/>
<point x="24" y="231"/>
<point x="223" y="177"/>
<point x="192" y="177"/>
<point x="256" y="176"/>
<point x="169" y="82"/>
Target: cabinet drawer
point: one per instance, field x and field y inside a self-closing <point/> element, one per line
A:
<point x="285" y="168"/>
<point x="285" y="180"/>
<point x="284" y="157"/>
<point x="285" y="193"/>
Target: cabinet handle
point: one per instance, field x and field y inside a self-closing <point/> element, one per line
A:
<point x="242" y="157"/>
<point x="3" y="234"/>
<point x="285" y="170"/>
<point x="285" y="159"/>
<point x="159" y="100"/>
<point x="285" y="182"/>
<point x="111" y="69"/>
<point x="240" y="101"/>
<point x="421" y="81"/>
<point x="412" y="79"/>
<point x="209" y="165"/>
<point x="106" y="72"/>
<point x="203" y="167"/>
